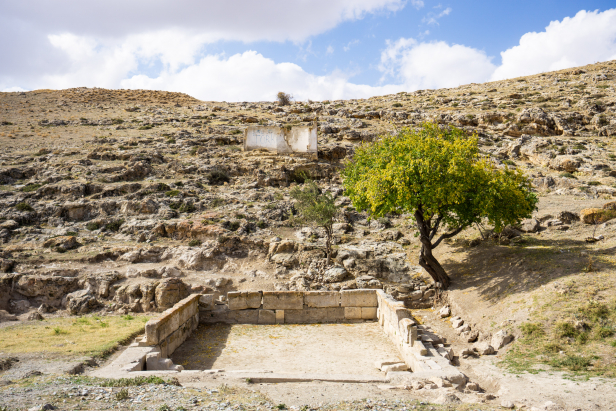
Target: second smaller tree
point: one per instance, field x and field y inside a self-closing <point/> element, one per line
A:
<point x="316" y="208"/>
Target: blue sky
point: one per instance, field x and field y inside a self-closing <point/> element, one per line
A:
<point x="320" y="49"/>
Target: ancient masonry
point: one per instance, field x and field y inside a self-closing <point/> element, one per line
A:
<point x="423" y="353"/>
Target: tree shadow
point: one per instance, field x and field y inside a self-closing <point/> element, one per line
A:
<point x="204" y="346"/>
<point x="495" y="270"/>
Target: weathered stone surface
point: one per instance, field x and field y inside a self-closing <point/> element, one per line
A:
<point x="500" y="339"/>
<point x="352" y="313"/>
<point x="267" y="317"/>
<point x="169" y="291"/>
<point x="322" y="299"/>
<point x="358" y="298"/>
<point x="283" y="300"/>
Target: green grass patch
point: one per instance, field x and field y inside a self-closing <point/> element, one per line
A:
<point x="89" y="335"/>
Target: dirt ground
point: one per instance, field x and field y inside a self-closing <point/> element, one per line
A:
<point x="313" y="348"/>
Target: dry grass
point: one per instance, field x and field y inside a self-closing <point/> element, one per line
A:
<point x="90" y="335"/>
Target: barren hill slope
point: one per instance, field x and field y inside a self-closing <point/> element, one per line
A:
<point x="120" y="201"/>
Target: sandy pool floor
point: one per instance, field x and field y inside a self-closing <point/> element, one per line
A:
<point x="312" y="348"/>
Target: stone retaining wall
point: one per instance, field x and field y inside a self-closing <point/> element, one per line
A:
<point x="174" y="325"/>
<point x="415" y="343"/>
<point x="290" y="307"/>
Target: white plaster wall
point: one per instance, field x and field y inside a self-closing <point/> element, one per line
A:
<point x="268" y="138"/>
<point x="301" y="139"/>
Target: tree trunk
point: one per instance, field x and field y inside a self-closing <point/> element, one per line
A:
<point x="433" y="267"/>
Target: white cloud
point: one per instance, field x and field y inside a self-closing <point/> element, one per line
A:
<point x="241" y="20"/>
<point x="586" y="38"/>
<point x="13" y="89"/>
<point x="434" y="65"/>
<point x="251" y="77"/>
<point x="418" y="4"/>
<point x="350" y="44"/>
<point x="173" y="58"/>
<point x="432" y="18"/>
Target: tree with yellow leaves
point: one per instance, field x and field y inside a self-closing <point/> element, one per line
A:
<point x="437" y="175"/>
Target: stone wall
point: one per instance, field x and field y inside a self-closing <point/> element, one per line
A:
<point x="420" y="349"/>
<point x="301" y="139"/>
<point x="290" y="307"/>
<point x="174" y="325"/>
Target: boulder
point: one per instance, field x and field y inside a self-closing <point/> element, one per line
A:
<point x="531" y="225"/>
<point x="81" y="302"/>
<point x="565" y="163"/>
<point x="335" y="275"/>
<point x="169" y="291"/>
<point x="366" y="281"/>
<point x="445" y="312"/>
<point x="63" y="243"/>
<point x="500" y="339"/>
<point x="484" y="348"/>
<point x="596" y="215"/>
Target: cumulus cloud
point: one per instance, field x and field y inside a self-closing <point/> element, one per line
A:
<point x="434" y="65"/>
<point x="586" y="38"/>
<point x="174" y="58"/>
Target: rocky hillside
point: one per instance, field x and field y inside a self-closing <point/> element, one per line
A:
<point x="127" y="200"/>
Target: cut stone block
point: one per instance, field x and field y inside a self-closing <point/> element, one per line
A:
<point x="322" y="299"/>
<point x="283" y="300"/>
<point x="358" y="298"/>
<point x="253" y="299"/>
<point x="400" y="366"/>
<point x="381" y="363"/>
<point x="279" y="316"/>
<point x="243" y="317"/>
<point x="408" y="330"/>
<point x="352" y="313"/>
<point x="267" y="317"/>
<point x="206" y="302"/>
<point x="419" y="348"/>
<point x="237" y="300"/>
<point x="368" y="313"/>
<point x="314" y="315"/>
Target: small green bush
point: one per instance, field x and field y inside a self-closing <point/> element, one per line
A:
<point x="593" y="183"/>
<point x="261" y="224"/>
<point x="24" y="207"/>
<point x="568" y="175"/>
<point x="172" y="193"/>
<point x="122" y="394"/>
<point x="162" y="187"/>
<point x="93" y="226"/>
<point x="532" y="329"/>
<point x="217" y="177"/>
<point x="397" y="105"/>
<point x="148" y="127"/>
<point x="187" y="208"/>
<point x="572" y="362"/>
<point x="31" y="187"/>
<point x="133" y="382"/>
<point x="194" y="243"/>
<point x="564" y="329"/>
<point x="114" y="225"/>
<point x="232" y="225"/>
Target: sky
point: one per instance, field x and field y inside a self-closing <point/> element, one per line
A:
<point x="248" y="50"/>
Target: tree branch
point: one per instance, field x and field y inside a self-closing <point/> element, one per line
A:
<point x="448" y="235"/>
<point x="435" y="229"/>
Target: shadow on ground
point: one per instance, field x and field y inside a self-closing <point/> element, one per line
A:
<point x="496" y="270"/>
<point x="205" y="345"/>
